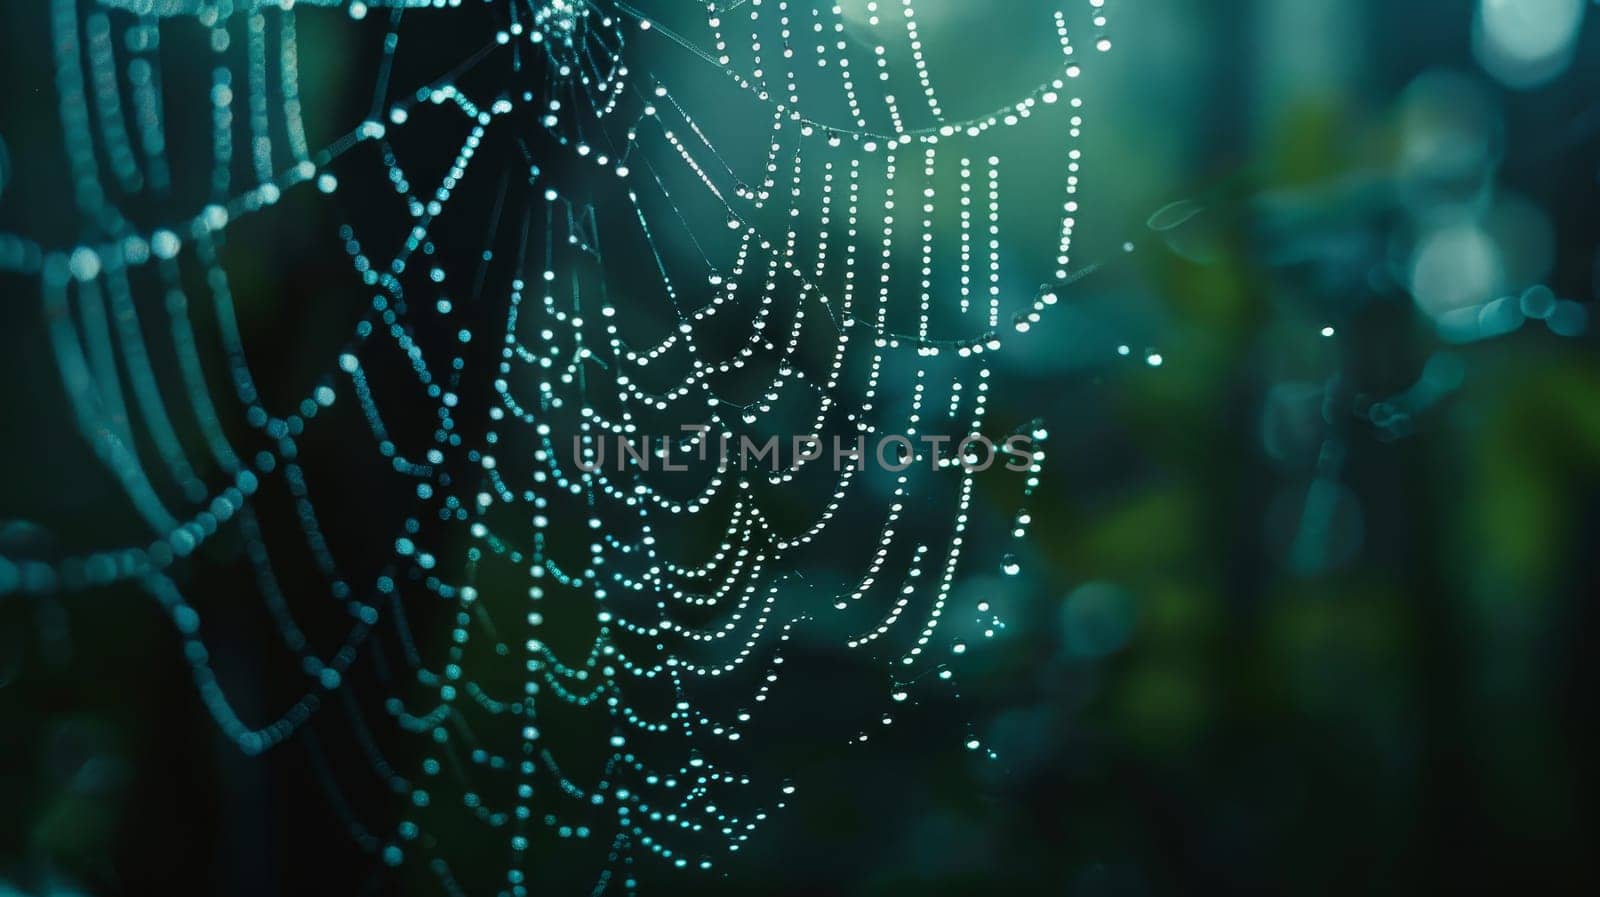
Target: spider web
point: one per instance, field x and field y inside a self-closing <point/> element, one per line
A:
<point x="557" y="220"/>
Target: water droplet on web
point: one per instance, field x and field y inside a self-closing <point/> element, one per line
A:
<point x="1538" y="302"/>
<point x="1568" y="318"/>
<point x="1009" y="565"/>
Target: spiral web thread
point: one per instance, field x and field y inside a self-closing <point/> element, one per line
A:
<point x="809" y="244"/>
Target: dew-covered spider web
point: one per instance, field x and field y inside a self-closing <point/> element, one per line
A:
<point x="541" y="225"/>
